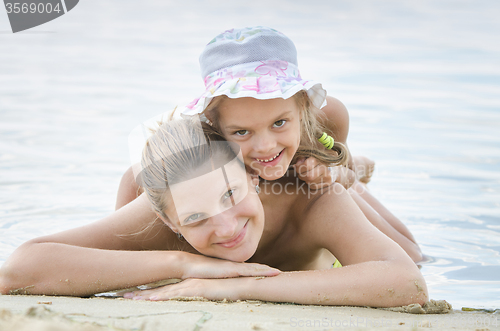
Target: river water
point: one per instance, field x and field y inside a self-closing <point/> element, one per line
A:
<point x="421" y="80"/>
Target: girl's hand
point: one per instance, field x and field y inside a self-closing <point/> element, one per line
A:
<point x="211" y="289"/>
<point x="344" y="176"/>
<point x="199" y="266"/>
<point x="318" y="175"/>
<point x="364" y="168"/>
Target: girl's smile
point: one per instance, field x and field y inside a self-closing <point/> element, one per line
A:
<point x="270" y="161"/>
<point x="268" y="132"/>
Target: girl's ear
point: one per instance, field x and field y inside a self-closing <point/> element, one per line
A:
<point x="206" y="117"/>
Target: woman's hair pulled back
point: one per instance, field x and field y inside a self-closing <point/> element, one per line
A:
<point x="173" y="154"/>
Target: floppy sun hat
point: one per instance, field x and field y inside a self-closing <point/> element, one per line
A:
<point x="257" y="62"/>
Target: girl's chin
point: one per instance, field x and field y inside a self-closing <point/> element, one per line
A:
<point x="271" y="173"/>
<point x="274" y="177"/>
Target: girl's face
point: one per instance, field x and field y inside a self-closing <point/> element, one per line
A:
<point x="268" y="132"/>
<point x="218" y="213"/>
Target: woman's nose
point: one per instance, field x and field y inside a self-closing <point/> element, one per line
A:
<point x="225" y="224"/>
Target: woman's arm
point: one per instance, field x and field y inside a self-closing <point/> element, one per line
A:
<point x="385" y="221"/>
<point x="124" y="249"/>
<point x="376" y="272"/>
<point x="92" y="258"/>
<point x="128" y="190"/>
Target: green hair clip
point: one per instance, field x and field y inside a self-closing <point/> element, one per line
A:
<point x="326" y="140"/>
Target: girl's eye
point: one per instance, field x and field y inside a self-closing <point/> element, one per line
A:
<point x="279" y="124"/>
<point x="241" y="132"/>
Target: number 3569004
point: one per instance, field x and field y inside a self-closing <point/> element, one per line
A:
<point x="32" y="8"/>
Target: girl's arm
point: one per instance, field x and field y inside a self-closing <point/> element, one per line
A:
<point x="122" y="250"/>
<point x="376" y="272"/>
<point x="335" y="117"/>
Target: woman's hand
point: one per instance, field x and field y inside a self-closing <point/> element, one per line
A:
<point x="211" y="289"/>
<point x="319" y="175"/>
<point x="199" y="266"/>
<point x="207" y="277"/>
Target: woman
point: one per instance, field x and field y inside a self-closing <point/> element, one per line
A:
<point x="308" y="232"/>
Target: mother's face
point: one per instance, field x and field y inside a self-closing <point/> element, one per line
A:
<point x="218" y="213"/>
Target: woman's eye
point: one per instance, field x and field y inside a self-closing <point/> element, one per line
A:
<point x="227" y="195"/>
<point x="279" y="124"/>
<point x="192" y="218"/>
<point x="241" y="132"/>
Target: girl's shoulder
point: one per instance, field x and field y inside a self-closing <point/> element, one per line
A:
<point x="334" y="107"/>
<point x="335" y="117"/>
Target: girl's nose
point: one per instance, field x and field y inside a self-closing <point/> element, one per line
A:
<point x="264" y="142"/>
<point x="225" y="224"/>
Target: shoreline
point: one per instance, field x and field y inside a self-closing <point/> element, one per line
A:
<point x="27" y="312"/>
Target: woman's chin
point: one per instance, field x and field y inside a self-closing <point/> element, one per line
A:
<point x="243" y="257"/>
<point x="238" y="256"/>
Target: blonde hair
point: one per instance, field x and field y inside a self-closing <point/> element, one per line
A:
<point x="310" y="127"/>
<point x="176" y="152"/>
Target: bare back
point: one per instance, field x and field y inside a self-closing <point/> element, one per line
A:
<point x="287" y="202"/>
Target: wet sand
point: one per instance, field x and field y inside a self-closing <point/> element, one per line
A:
<point x="38" y="313"/>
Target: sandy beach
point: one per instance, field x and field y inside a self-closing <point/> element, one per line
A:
<point x="21" y="312"/>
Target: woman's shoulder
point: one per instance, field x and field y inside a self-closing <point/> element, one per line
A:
<point x="293" y="199"/>
<point x="324" y="209"/>
<point x="325" y="195"/>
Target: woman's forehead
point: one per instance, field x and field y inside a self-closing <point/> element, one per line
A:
<point x="203" y="193"/>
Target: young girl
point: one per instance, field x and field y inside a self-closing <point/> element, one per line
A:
<point x="223" y="220"/>
<point x="255" y="97"/>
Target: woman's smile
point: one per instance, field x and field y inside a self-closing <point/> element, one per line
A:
<point x="236" y="239"/>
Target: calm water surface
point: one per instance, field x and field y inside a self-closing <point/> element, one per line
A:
<point x="421" y="80"/>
